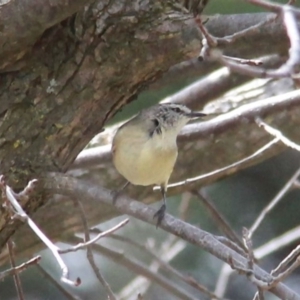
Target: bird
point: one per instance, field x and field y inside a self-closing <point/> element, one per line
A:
<point x="144" y="149"/>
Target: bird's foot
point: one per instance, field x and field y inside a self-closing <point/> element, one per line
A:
<point x="115" y="195"/>
<point x="160" y="214"/>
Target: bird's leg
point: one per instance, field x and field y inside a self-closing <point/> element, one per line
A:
<point x="161" y="212"/>
<point x="117" y="193"/>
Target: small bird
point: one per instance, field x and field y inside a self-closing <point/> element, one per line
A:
<point x="145" y="149"/>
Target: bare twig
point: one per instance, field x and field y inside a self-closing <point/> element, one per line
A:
<point x="16" y="276"/>
<point x="89" y="253"/>
<point x="209" y="41"/>
<point x="291" y="26"/>
<point x="288" y="13"/>
<point x="259" y="294"/>
<point x="288" y="68"/>
<point x="284" y="269"/>
<point x="223" y="280"/>
<point x="184" y="205"/>
<point x="278" y="243"/>
<point x="284" y="264"/>
<point x="248" y="31"/>
<point x="242" y="61"/>
<point x="278" y="134"/>
<point x="20" y="268"/>
<point x="20" y="213"/>
<point x="52" y="280"/>
<point x="166" y="253"/>
<point x="274" y="202"/>
<point x="281" y="276"/>
<point x="215" y="84"/>
<point x="275" y="245"/>
<point x="95" y="239"/>
<point x="248" y="245"/>
<point x="24" y="195"/>
<point x="227" y="168"/>
<point x="220" y="221"/>
<point x="139" y="268"/>
<point x="232" y="245"/>
<point x="54" y="249"/>
<point x="169" y="249"/>
<point x="170" y="243"/>
<point x="272" y="6"/>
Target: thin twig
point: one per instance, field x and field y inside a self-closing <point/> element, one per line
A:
<point x="271" y="6"/>
<point x="95" y="239"/>
<point x="282" y="276"/>
<point x="164" y="264"/>
<point x="248" y="245"/>
<point x="288" y="13"/>
<point x="243" y="61"/>
<point x="184" y="205"/>
<point x="227" y="168"/>
<point x="52" y="280"/>
<point x="220" y="221"/>
<point x="20" y="268"/>
<point x="16" y="276"/>
<point x="284" y="264"/>
<point x="169" y="249"/>
<point x="223" y="280"/>
<point x="54" y="249"/>
<point x="246" y="32"/>
<point x="290" y="22"/>
<point x="258" y="281"/>
<point x="273" y="203"/>
<point x="139" y="268"/>
<point x="278" y="134"/>
<point x="70" y="186"/>
<point x="285" y="268"/>
<point x="259" y="295"/>
<point x="89" y="252"/>
<point x="278" y="243"/>
<point x="288" y="68"/>
<point x="232" y="245"/>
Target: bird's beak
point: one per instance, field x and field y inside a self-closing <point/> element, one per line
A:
<point x="195" y="114"/>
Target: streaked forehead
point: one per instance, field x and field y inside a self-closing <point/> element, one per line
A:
<point x="162" y="110"/>
<point x="176" y="106"/>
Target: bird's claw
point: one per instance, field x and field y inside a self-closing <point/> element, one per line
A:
<point x="160" y="214"/>
<point x="115" y="195"/>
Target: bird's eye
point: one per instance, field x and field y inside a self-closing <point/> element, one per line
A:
<point x="156" y="122"/>
<point x="156" y="129"/>
<point x="177" y="109"/>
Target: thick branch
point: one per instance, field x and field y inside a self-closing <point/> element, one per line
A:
<point x="188" y="232"/>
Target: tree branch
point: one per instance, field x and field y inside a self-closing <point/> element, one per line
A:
<point x="190" y="233"/>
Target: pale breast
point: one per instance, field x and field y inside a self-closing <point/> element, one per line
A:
<point x="145" y="161"/>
